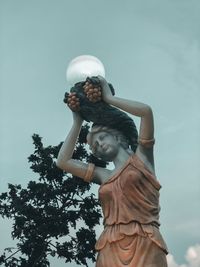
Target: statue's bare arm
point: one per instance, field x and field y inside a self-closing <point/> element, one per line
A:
<point x="76" y="167"/>
<point x="146" y="131"/>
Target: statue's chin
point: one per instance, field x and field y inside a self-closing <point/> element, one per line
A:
<point x="109" y="157"/>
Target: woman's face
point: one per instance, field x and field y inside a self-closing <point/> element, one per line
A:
<point x="105" y="146"/>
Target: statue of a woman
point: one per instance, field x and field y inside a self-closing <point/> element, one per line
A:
<point x="129" y="194"/>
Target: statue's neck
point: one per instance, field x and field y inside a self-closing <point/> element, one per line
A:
<point x="121" y="157"/>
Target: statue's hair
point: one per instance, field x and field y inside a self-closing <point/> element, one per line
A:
<point x="105" y="115"/>
<point x="98" y="128"/>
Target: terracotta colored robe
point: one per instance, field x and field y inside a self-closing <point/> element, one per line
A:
<point x="130" y="204"/>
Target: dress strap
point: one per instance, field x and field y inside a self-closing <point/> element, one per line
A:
<point x="139" y="164"/>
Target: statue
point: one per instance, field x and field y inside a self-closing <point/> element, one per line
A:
<point x="129" y="194"/>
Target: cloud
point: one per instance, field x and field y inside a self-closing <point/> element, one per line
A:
<point x="192" y="257"/>
<point x="171" y="262"/>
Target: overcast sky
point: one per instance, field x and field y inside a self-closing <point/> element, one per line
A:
<point x="151" y="53"/>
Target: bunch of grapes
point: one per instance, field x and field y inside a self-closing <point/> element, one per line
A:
<point x="72" y="101"/>
<point x="92" y="91"/>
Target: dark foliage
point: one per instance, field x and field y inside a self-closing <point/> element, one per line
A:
<point x="57" y="205"/>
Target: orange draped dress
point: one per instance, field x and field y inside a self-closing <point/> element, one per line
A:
<point x="130" y="204"/>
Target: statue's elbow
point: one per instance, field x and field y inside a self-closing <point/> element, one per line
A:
<point x="60" y="164"/>
<point x="63" y="164"/>
<point x="148" y="110"/>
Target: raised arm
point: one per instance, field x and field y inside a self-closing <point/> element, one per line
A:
<point x="133" y="107"/>
<point x="146" y="131"/>
<point x="77" y="167"/>
<point x="64" y="160"/>
<point x="67" y="149"/>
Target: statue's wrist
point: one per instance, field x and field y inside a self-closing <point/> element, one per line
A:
<point x="108" y="98"/>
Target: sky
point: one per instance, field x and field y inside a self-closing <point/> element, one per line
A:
<point x="151" y="53"/>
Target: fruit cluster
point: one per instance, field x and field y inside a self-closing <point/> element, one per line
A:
<point x="92" y="91"/>
<point x="72" y="101"/>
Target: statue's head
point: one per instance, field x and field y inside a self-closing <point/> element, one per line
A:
<point x="106" y="142"/>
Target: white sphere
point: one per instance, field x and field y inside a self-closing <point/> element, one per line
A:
<point x="82" y="67"/>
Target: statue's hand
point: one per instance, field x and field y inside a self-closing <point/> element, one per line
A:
<point x="106" y="91"/>
<point x="102" y="80"/>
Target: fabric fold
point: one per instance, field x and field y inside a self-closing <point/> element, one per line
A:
<point x="117" y="232"/>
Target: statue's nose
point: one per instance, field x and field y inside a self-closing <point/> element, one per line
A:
<point x="101" y="143"/>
